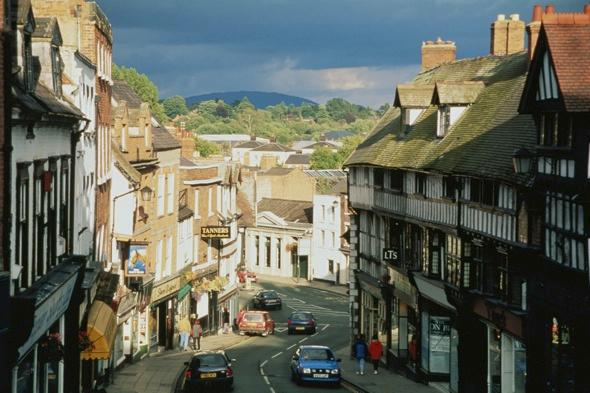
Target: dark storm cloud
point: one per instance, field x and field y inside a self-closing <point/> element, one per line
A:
<point x="357" y="49"/>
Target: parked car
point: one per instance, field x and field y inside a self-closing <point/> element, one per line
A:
<point x="301" y="321"/>
<point x="315" y="363"/>
<point x="267" y="299"/>
<point x="256" y="322"/>
<point x="243" y="273"/>
<point x="208" y="369"/>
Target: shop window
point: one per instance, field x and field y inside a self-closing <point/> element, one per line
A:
<point x="495" y="360"/>
<point x="562" y="377"/>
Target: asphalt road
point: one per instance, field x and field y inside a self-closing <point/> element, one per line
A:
<point x="262" y="363"/>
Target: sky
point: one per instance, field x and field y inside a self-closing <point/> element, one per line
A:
<point x="317" y="49"/>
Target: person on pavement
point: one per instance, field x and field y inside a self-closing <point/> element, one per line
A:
<point x="225" y="318"/>
<point x="197" y="332"/>
<point x="375" y="351"/>
<point x="184" y="329"/>
<point x="360" y="353"/>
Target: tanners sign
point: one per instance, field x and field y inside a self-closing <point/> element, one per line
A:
<point x="215" y="232"/>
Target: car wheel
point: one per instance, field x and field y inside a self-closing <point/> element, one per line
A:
<point x="313" y="331"/>
<point x="264" y="334"/>
<point x="241" y="333"/>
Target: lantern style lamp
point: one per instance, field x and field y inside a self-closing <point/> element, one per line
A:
<point x="146" y="194"/>
<point x="522" y="160"/>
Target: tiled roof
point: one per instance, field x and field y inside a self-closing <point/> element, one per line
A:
<point x="457" y="92"/>
<point x="122" y="92"/>
<point x="298" y="159"/>
<point x="247" y="215"/>
<point x="292" y="211"/>
<point x="125" y="166"/>
<point x="272" y="147"/>
<point x="44" y="100"/>
<point x="186" y="162"/>
<point x="569" y="45"/>
<point x="408" y="96"/>
<point x="162" y="139"/>
<point x="316" y="145"/>
<point x="249" y="145"/>
<point x="480" y="143"/>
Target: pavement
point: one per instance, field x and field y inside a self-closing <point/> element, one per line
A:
<point x="159" y="372"/>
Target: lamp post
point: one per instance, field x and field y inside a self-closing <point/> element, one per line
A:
<point x="522" y="159"/>
<point x="387" y="290"/>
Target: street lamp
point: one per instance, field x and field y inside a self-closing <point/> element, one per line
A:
<point x="146" y="194"/>
<point x="522" y="159"/>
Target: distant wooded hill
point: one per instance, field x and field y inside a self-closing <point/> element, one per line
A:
<point x="259" y="99"/>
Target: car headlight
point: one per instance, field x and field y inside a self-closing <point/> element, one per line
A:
<point x="335" y="371"/>
<point x="306" y="371"/>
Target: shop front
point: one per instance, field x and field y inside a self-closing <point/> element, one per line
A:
<point x="435" y="331"/>
<point x="404" y="329"/>
<point x="163" y="311"/>
<point x="505" y="367"/>
<point x="39" y="326"/>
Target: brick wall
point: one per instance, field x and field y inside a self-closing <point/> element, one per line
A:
<point x="507" y="35"/>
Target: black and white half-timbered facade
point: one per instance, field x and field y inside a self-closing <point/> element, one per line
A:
<point x="557" y="94"/>
<point x="44" y="279"/>
<point x="471" y="270"/>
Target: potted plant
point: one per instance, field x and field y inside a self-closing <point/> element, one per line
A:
<point x="50" y="348"/>
<point x="84" y="341"/>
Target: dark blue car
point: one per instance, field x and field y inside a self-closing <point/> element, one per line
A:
<point x="315" y="363"/>
<point x="208" y="370"/>
<point x="301" y="321"/>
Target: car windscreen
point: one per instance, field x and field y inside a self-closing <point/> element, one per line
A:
<point x="269" y="295"/>
<point x="209" y="360"/>
<point x="253" y="317"/>
<point x="317" y="354"/>
<point x="301" y="316"/>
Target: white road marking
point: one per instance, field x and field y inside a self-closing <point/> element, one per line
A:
<point x="266" y="380"/>
<point x="303" y="339"/>
<point x="325" y="327"/>
<point x="263" y="363"/>
<point x="315" y="334"/>
<point x="280" y="329"/>
<point x="294" y="345"/>
<point x="276" y="354"/>
<point x="298" y="300"/>
<point x="261" y="371"/>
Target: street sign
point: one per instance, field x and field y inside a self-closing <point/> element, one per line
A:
<point x="390" y="254"/>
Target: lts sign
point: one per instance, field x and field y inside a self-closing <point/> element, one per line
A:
<point x="390" y="255"/>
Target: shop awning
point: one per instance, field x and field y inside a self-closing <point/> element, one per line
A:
<point x="102" y="329"/>
<point x="184" y="291"/>
<point x="433" y="291"/>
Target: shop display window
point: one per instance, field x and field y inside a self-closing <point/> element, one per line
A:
<point x="494" y="361"/>
<point x="25" y="374"/>
<point x="562" y="376"/>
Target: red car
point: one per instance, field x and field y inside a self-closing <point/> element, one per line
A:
<point x="243" y="273"/>
<point x="257" y="322"/>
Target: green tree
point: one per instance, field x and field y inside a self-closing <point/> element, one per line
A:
<point x="324" y="158"/>
<point x="175" y="106"/>
<point x="349" y="144"/>
<point x="143" y="87"/>
<point x="222" y="110"/>
<point x="206" y="148"/>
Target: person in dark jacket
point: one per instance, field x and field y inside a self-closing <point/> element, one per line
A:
<point x="360" y="353"/>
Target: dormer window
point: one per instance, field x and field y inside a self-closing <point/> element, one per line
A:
<point x="555" y="129"/>
<point x="444" y="120"/>
<point x="452" y="98"/>
<point x="409" y="117"/>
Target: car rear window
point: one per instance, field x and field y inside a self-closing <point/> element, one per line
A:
<point x="317" y="354"/>
<point x="210" y="360"/>
<point x="253" y="317"/>
<point x="301" y="316"/>
<point x="269" y="295"/>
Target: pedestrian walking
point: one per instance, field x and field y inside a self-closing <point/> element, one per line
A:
<point x="375" y="351"/>
<point x="184" y="328"/>
<point x="197" y="333"/>
<point x="360" y="353"/>
<point x="225" y="319"/>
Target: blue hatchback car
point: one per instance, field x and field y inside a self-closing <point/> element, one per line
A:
<point x="315" y="363"/>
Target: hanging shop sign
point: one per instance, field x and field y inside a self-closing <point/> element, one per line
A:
<point x="215" y="232"/>
<point x="390" y="254"/>
<point x="137" y="259"/>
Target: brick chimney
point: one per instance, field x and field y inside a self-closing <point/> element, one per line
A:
<point x="551" y="16"/>
<point x="437" y="53"/>
<point x="507" y="35"/>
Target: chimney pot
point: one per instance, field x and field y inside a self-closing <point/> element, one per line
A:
<point x="501" y="17"/>
<point x="514" y="17"/>
<point x="550" y="9"/>
<point x="537" y="13"/>
<point x="587" y="9"/>
<point x="437" y="53"/>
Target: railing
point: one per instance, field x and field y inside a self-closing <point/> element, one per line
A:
<point x="496" y="223"/>
<point x="432" y="210"/>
